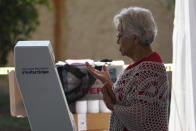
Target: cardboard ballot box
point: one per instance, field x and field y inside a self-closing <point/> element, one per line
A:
<point x="16" y="103"/>
<point x="92" y="122"/>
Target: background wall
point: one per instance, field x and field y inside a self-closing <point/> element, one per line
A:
<point x="91" y="33"/>
<point x="86" y="29"/>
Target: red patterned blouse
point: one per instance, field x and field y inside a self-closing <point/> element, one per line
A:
<point x="141" y="97"/>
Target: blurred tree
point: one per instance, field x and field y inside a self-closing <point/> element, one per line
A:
<point x="170" y="4"/>
<point x="18" y="19"/>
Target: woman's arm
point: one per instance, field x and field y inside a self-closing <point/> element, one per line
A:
<point x="109" y="101"/>
<point x="108" y="85"/>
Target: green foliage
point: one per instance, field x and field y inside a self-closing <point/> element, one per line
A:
<point x="18" y="19"/>
<point x="6" y="121"/>
<point x="170" y="4"/>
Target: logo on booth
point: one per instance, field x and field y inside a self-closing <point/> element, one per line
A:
<point x="35" y="70"/>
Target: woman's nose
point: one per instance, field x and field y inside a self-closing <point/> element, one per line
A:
<point x="118" y="41"/>
<point x="118" y="38"/>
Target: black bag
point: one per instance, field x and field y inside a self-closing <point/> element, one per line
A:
<point x="76" y="81"/>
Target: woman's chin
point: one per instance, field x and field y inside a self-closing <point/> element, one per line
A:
<point x="123" y="54"/>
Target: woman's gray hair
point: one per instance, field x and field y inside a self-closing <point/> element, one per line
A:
<point x="137" y="21"/>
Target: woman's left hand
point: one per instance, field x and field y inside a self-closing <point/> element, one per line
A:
<point x="103" y="75"/>
<point x="107" y="99"/>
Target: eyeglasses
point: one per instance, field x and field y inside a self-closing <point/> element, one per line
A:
<point x="119" y="36"/>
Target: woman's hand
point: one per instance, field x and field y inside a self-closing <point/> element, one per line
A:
<point x="108" y="95"/>
<point x="107" y="99"/>
<point x="101" y="75"/>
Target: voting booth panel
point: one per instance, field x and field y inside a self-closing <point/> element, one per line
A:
<point x="40" y="87"/>
<point x="16" y="103"/>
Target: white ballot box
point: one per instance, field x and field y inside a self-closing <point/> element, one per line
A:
<point x="40" y="87"/>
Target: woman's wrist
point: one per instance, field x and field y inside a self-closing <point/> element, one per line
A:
<point x="112" y="107"/>
<point x="109" y="105"/>
<point x="108" y="84"/>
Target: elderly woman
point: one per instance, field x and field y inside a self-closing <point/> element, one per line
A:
<point x="139" y="98"/>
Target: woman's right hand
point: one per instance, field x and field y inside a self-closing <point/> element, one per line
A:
<point x="104" y="77"/>
<point x="101" y="75"/>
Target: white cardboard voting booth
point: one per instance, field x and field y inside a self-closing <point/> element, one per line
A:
<point x="40" y="87"/>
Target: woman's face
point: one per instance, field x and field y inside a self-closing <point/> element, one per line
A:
<point x="126" y="44"/>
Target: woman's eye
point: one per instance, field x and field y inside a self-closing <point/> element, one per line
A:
<point x="119" y="36"/>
